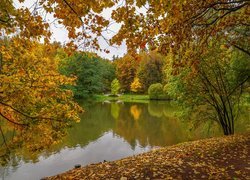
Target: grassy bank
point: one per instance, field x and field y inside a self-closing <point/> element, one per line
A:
<point x="214" y="158"/>
<point x="123" y="97"/>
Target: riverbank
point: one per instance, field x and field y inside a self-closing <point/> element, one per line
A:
<point x="214" y="158"/>
<point x="123" y="97"/>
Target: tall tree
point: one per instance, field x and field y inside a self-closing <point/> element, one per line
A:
<point x="212" y="88"/>
<point x="126" y="71"/>
<point x="94" y="74"/>
<point x="31" y="99"/>
<point x="150" y="69"/>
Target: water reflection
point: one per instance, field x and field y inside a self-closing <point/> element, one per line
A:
<point x="108" y="147"/>
<point x="135" y="112"/>
<point x="110" y="131"/>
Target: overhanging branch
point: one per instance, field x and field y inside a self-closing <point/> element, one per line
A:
<point x="72" y="9"/>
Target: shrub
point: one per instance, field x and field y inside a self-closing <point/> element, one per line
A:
<point x="166" y="92"/>
<point x="155" y="91"/>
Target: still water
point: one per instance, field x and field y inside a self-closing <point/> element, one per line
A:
<point x="110" y="131"/>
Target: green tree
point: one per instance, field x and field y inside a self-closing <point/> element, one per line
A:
<point x="94" y="74"/>
<point x="212" y="87"/>
<point x="166" y="92"/>
<point x="115" y="87"/>
<point x="155" y="91"/>
<point x="108" y="74"/>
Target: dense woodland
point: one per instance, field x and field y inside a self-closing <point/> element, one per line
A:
<point x="196" y="53"/>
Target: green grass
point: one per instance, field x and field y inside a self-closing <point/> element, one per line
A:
<point x="124" y="97"/>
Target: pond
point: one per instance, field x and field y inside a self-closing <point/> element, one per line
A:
<point x="110" y="131"/>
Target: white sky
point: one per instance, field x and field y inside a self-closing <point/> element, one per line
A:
<point x="60" y="34"/>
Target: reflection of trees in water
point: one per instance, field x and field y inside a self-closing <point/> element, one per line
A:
<point x="115" y="110"/>
<point x="26" y="142"/>
<point x="135" y="111"/>
<point x="160" y="108"/>
<point x="12" y="161"/>
<point x="149" y="127"/>
<point x="96" y="120"/>
<point x="155" y="108"/>
<point x="152" y="124"/>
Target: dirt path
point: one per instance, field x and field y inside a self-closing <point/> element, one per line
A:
<point x="215" y="158"/>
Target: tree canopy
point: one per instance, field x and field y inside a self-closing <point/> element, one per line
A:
<point x="182" y="30"/>
<point x="94" y="74"/>
<point x="161" y="25"/>
<point x="31" y="99"/>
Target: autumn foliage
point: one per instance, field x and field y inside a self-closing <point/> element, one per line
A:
<point x="30" y="93"/>
<point x="126" y="71"/>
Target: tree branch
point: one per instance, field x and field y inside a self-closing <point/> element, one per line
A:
<point x="18" y="111"/>
<point x="4" y="140"/>
<point x="26" y="115"/>
<point x="241" y="49"/>
<point x="19" y="124"/>
<point x="240" y="84"/>
<point x="66" y="2"/>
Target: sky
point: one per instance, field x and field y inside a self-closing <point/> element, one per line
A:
<point x="60" y="34"/>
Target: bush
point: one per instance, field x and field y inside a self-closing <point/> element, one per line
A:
<point x="158" y="92"/>
<point x="165" y="92"/>
<point x="155" y="91"/>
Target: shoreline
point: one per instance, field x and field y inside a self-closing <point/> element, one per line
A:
<point x="214" y="158"/>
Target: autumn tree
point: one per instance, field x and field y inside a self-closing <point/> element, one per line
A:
<point x="33" y="22"/>
<point x="162" y="26"/>
<point x="172" y="24"/>
<point x="150" y="69"/>
<point x="168" y="26"/>
<point x="136" y="85"/>
<point x="31" y="99"/>
<point x="126" y="71"/>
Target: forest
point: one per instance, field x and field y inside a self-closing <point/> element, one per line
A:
<point x="194" y="54"/>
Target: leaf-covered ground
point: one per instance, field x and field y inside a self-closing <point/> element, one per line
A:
<point x="215" y="158"/>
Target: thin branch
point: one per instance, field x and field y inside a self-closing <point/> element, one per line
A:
<point x="66" y="2"/>
<point x="18" y="111"/>
<point x="4" y="140"/>
<point x="229" y="10"/>
<point x="241" y="49"/>
<point x="4" y="21"/>
<point x="227" y="3"/>
<point x="19" y="124"/>
<point x="28" y="116"/>
<point x="240" y="84"/>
